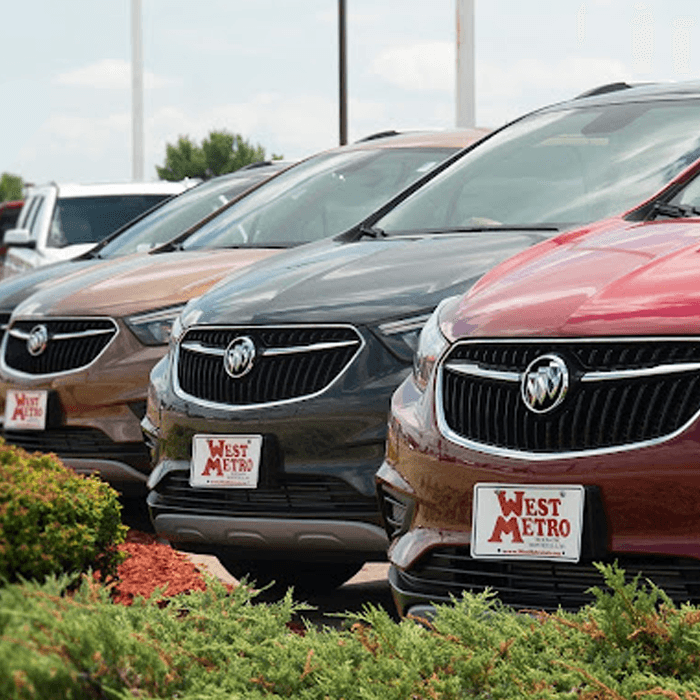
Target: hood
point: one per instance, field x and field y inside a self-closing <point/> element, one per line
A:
<point x="17" y="288"/>
<point x="138" y="283"/>
<point x="633" y="279"/>
<point x="361" y="282"/>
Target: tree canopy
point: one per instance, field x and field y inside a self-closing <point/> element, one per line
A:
<point x="11" y="187"/>
<point x="221" y="152"/>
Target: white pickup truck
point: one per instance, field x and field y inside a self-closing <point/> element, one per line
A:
<point x="59" y="222"/>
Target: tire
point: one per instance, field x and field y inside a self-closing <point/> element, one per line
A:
<point x="304" y="577"/>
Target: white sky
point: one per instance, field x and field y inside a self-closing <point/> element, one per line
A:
<point x="268" y="69"/>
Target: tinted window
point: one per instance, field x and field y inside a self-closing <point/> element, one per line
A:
<point x="180" y="213"/>
<point x="563" y="168"/>
<point x="323" y="196"/>
<point x="90" y="219"/>
<point x="8" y="218"/>
<point x="33" y="216"/>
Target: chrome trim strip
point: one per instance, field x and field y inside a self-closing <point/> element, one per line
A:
<point x="180" y="393"/>
<point x="298" y="349"/>
<point x="472" y="370"/>
<point x="449" y="434"/>
<point x="21" y="335"/>
<point x="40" y="377"/>
<point x="644" y="372"/>
<point x="196" y="346"/>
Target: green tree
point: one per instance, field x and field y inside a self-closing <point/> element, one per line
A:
<point x="221" y="152"/>
<point x="11" y="187"/>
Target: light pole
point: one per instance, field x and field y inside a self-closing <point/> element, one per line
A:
<point x="136" y="92"/>
<point x="464" y="88"/>
<point x="342" y="78"/>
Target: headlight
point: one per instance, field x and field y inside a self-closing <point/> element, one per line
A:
<point x="401" y="337"/>
<point x="431" y="344"/>
<point x="153" y="327"/>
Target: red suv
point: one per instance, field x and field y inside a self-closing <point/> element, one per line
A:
<point x="552" y="421"/>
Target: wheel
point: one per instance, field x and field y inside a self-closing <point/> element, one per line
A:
<point x="304" y="577"/>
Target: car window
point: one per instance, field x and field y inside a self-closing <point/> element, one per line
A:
<point x="90" y="219"/>
<point x="323" y="196"/>
<point x="26" y="210"/>
<point x="33" y="216"/>
<point x="179" y="214"/>
<point x="561" y="168"/>
<point x="689" y="195"/>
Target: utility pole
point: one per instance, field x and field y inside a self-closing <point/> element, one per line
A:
<point x="342" y="78"/>
<point x="136" y="92"/>
<point x="464" y="88"/>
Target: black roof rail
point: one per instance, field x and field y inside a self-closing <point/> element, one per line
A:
<point x="256" y="164"/>
<point x="602" y="89"/>
<point x="379" y="135"/>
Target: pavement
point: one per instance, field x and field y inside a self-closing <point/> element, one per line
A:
<point x="372" y="572"/>
<point x="369" y="586"/>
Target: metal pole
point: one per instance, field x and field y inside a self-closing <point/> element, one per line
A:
<point x="464" y="88"/>
<point x="342" y="81"/>
<point x="136" y="92"/>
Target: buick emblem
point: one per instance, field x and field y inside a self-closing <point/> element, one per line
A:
<point x="239" y="357"/>
<point x="37" y="340"/>
<point x="544" y="383"/>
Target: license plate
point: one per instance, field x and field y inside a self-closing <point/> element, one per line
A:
<point x="225" y="461"/>
<point x="527" y="522"/>
<point x="25" y="410"/>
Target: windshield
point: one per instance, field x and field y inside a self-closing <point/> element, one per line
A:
<point x="323" y="196"/>
<point x="90" y="219"/>
<point x="181" y="212"/>
<point x="561" y="168"/>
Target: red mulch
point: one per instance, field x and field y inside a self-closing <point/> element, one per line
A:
<point x="152" y="565"/>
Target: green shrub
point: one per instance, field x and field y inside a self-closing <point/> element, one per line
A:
<point x="53" y="521"/>
<point x="218" y="644"/>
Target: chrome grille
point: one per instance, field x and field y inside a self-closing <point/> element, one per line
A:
<point x="450" y="571"/>
<point x="291" y="362"/>
<point x="73" y="343"/>
<point x="623" y="392"/>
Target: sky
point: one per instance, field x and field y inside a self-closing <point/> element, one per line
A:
<point x="268" y="70"/>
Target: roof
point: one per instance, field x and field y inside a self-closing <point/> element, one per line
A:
<point x="410" y="139"/>
<point x="68" y="190"/>
<point x="616" y="93"/>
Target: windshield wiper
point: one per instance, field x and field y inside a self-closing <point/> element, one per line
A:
<point x="478" y="229"/>
<point x="366" y="231"/>
<point x="675" y="211"/>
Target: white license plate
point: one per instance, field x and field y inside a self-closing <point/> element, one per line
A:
<point x="25" y="410"/>
<point x="225" y="461"/>
<point x="527" y="522"/>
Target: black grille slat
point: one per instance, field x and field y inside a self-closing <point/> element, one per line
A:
<point x="78" y="442"/>
<point x="598" y="414"/>
<point x="61" y="354"/>
<point x="450" y="571"/>
<point x="295" y="496"/>
<point x="275" y="376"/>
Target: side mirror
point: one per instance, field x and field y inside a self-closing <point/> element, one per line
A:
<point x="19" y="237"/>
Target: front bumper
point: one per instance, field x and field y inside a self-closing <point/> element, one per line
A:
<point x="640" y="510"/>
<point x="94" y="413"/>
<point x="316" y="495"/>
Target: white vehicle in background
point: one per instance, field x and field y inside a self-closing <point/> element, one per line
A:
<point x="60" y="222"/>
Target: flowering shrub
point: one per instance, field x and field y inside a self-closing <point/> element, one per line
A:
<point x="53" y="521"/>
